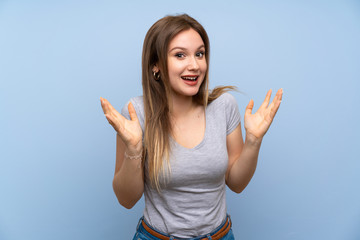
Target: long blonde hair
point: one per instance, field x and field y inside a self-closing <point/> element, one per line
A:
<point x="156" y="90"/>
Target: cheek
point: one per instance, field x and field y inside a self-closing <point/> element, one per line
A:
<point x="204" y="66"/>
<point x="203" y="70"/>
<point x="175" y="68"/>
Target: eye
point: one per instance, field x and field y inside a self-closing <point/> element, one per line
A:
<point x="179" y="55"/>
<point x="200" y="54"/>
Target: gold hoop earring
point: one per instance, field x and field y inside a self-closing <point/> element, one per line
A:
<point x="156" y="76"/>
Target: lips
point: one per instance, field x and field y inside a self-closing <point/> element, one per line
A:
<point x="190" y="80"/>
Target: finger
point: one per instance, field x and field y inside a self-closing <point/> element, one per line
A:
<point x="114" y="112"/>
<point x="273" y="111"/>
<point x="118" y="127"/>
<point x="276" y="105"/>
<point x="109" y="109"/>
<point x="105" y="105"/>
<point x="281" y="91"/>
<point x="249" y="107"/>
<point x="274" y="101"/>
<point x="102" y="102"/>
<point x="132" y="112"/>
<point x="110" y="119"/>
<point x="108" y="106"/>
<point x="266" y="100"/>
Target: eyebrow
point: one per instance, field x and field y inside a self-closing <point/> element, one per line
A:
<point x="181" y="48"/>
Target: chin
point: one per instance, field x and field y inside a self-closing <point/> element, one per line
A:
<point x="191" y="93"/>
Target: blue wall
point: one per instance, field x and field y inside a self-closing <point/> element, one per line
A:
<point x="57" y="151"/>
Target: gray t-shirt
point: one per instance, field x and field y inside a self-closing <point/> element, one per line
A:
<point x="192" y="202"/>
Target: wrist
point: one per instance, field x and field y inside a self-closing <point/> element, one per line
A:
<point x="133" y="157"/>
<point x="252" y="140"/>
<point x="131" y="148"/>
<point x="133" y="151"/>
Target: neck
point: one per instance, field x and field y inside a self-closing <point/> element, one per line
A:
<point x="181" y="106"/>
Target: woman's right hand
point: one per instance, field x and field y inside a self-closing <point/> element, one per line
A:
<point x="129" y="130"/>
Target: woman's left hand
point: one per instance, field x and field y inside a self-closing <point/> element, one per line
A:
<point x="257" y="124"/>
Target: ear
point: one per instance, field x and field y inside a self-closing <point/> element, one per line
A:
<point x="155" y="69"/>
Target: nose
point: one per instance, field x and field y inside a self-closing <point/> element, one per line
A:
<point x="193" y="64"/>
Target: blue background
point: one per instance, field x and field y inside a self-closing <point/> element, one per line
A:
<point x="57" y="153"/>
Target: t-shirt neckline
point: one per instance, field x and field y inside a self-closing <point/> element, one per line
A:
<point x="200" y="144"/>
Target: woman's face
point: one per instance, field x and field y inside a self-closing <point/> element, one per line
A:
<point x="186" y="63"/>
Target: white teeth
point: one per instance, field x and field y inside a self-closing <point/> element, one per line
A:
<point x="189" y="78"/>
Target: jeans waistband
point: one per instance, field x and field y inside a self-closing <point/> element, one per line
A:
<point x="218" y="232"/>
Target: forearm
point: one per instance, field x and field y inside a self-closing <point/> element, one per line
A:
<point x="128" y="183"/>
<point x="244" y="167"/>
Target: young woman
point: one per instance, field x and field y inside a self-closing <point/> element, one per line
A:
<point x="179" y="144"/>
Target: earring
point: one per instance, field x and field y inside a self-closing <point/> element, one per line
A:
<point x="156" y="76"/>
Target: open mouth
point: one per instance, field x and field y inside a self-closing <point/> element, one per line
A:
<point x="190" y="78"/>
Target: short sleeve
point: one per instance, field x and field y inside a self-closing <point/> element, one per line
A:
<point x="233" y="117"/>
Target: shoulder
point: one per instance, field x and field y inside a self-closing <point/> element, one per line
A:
<point x="138" y="104"/>
<point x="226" y="109"/>
<point x="225" y="99"/>
<point x="138" y="101"/>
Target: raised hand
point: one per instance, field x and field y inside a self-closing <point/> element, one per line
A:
<point x="257" y="124"/>
<point x="129" y="130"/>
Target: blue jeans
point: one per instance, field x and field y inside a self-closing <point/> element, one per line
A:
<point x="142" y="234"/>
